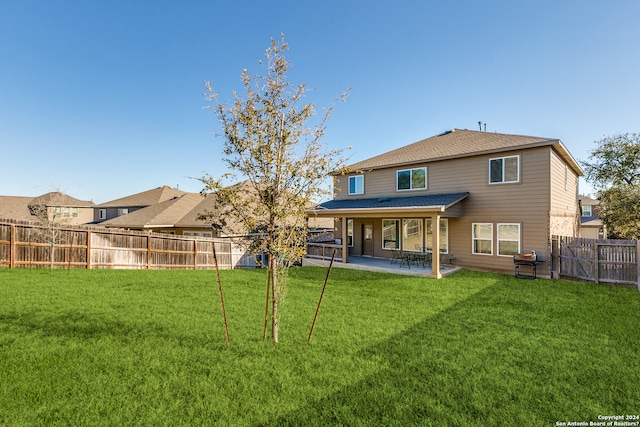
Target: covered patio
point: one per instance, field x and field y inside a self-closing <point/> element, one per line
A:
<point x="382" y="265"/>
<point x="370" y="232"/>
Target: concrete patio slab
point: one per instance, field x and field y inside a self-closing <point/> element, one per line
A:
<point x="381" y="265"/>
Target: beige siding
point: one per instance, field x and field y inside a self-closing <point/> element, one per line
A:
<point x="590" y="233"/>
<point x="85" y="216"/>
<point x="563" y="213"/>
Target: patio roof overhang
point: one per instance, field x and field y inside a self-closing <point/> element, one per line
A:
<point x="443" y="204"/>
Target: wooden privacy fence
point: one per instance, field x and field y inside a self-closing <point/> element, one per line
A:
<point x="599" y="261"/>
<point x="324" y="251"/>
<point x="24" y="244"/>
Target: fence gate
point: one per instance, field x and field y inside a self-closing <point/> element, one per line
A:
<point x="599" y="261"/>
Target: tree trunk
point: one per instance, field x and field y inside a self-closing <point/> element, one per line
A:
<point x="275" y="316"/>
<point x="52" y="255"/>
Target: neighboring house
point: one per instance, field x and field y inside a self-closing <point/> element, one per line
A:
<point x="181" y="215"/>
<point x="126" y="205"/>
<point x="591" y="227"/>
<point x="57" y="207"/>
<point x="492" y="196"/>
<point x="178" y="215"/>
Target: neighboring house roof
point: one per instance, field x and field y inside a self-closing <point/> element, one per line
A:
<point x="164" y="214"/>
<point x="15" y="207"/>
<point x="433" y="202"/>
<point x="190" y="219"/>
<point x="587" y="201"/>
<point x="56" y="198"/>
<point x="146" y="198"/>
<point x="462" y="143"/>
<point x="181" y="211"/>
<point x="590" y="221"/>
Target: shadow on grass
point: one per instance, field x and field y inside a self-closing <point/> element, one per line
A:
<point x="77" y="325"/>
<point x="499" y="357"/>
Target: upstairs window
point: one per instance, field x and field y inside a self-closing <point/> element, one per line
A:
<point x="504" y="170"/>
<point x="586" y="210"/>
<point x="102" y="214"/>
<point x="356" y="184"/>
<point x="411" y="179"/>
<point x="123" y="211"/>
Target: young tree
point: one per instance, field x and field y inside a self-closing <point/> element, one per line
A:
<point x="48" y="214"/>
<point x="268" y="144"/>
<point x="614" y="171"/>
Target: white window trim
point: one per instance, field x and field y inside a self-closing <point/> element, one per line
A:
<point x="349" y="184"/>
<point x="102" y="214"/>
<point x="587" y="211"/>
<point x="350" y="232"/>
<point x="473" y="238"/>
<point x="498" y="239"/>
<point x="426" y="182"/>
<point x="503" y="172"/>
<point x="398" y="233"/>
<point x="422" y="233"/>
<point x="198" y="233"/>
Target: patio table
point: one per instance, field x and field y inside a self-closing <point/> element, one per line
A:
<point x="417" y="257"/>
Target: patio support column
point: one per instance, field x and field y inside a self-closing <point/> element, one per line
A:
<point x="345" y="242"/>
<point x="435" y="250"/>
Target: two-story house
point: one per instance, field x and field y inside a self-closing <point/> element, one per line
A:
<point x="54" y="206"/>
<point x="491" y="195"/>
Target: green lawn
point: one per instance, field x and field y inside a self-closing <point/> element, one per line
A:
<point x="114" y="348"/>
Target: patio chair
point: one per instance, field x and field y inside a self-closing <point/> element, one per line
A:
<point x="406" y="258"/>
<point x="397" y="256"/>
<point x="422" y="256"/>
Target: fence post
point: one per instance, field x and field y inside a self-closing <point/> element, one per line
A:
<point x="638" y="265"/>
<point x="88" y="249"/>
<point x="12" y="246"/>
<point x="195" y="254"/>
<point x="555" y="258"/>
<point x="596" y="259"/>
<point x="148" y="250"/>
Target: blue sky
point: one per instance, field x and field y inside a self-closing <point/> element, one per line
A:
<point x="105" y="98"/>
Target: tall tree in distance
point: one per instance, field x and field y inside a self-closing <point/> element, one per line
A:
<point x="614" y="171"/>
<point x="271" y="149"/>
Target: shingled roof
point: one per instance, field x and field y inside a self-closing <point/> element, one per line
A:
<point x="164" y="214"/>
<point x="435" y="202"/>
<point x="146" y="198"/>
<point x="460" y="143"/>
<point x="15" y="207"/>
<point x="56" y="198"/>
